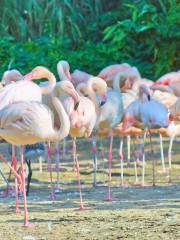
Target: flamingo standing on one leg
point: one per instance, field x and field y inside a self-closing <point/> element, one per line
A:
<point x="109" y="115"/>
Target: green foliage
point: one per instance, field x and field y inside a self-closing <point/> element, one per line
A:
<point x="90" y="34"/>
<point x="149" y="36"/>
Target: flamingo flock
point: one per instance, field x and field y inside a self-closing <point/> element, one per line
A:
<point x="118" y="101"/>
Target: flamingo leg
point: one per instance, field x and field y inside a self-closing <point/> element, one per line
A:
<point x="121" y="157"/>
<point x="40" y="164"/>
<point x="109" y="196"/>
<point x="103" y="159"/>
<point x="153" y="162"/>
<point x="162" y="154"/>
<point x="64" y="148"/>
<point x="129" y="149"/>
<point x="52" y="194"/>
<point x="78" y="174"/>
<point x="143" y="170"/>
<point x="169" y="157"/>
<point x="57" y="160"/>
<point x="26" y="224"/>
<point x="94" y="150"/>
<point x="136" y="159"/>
<point x="14" y="162"/>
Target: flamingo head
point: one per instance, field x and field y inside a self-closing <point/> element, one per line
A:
<point x="144" y="90"/>
<point x="64" y="66"/>
<point x="37" y="73"/>
<point x="99" y="87"/>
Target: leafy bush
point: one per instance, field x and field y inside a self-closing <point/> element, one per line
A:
<point x="90" y="34"/>
<point x="149" y="37"/>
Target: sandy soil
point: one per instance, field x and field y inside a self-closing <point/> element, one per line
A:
<point x="135" y="212"/>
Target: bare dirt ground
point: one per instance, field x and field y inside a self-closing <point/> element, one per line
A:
<point x="135" y="212"/>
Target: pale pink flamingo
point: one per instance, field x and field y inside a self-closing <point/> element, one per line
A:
<point x="10" y="76"/>
<point x="76" y="77"/>
<point x="23" y="123"/>
<point x="108" y="71"/>
<point x="169" y="78"/>
<point x="109" y="115"/>
<point x="26" y="90"/>
<point x="142" y="113"/>
<point x="173" y="88"/>
<point x="84" y="128"/>
<point x="65" y="91"/>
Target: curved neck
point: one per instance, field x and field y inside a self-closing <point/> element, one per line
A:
<point x="117" y="80"/>
<point x="64" y="129"/>
<point x="92" y="94"/>
<point x="61" y="73"/>
<point x="50" y="86"/>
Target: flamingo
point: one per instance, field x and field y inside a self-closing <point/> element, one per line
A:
<point x="142" y="113"/>
<point x="109" y="114"/>
<point x="29" y="122"/>
<point x="108" y="71"/>
<point x="10" y="76"/>
<point x="169" y="78"/>
<point x="26" y="90"/>
<point x="76" y="77"/>
<point x="173" y="129"/>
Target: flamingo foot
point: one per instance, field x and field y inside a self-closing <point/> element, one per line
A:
<point x="29" y="225"/>
<point x="82" y="208"/>
<point x="53" y="196"/>
<point x="109" y="197"/>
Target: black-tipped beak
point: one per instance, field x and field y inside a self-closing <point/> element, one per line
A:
<point x="102" y="103"/>
<point x="76" y="106"/>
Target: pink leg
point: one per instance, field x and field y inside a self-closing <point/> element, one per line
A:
<point x="109" y="196"/>
<point x="52" y="194"/>
<point x="57" y="161"/>
<point x="14" y="161"/>
<point x="78" y="174"/>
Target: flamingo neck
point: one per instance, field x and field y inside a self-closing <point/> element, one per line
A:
<point x="64" y="129"/>
<point x="50" y="86"/>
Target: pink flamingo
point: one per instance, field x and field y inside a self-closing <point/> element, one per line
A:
<point x="169" y="78"/>
<point x="109" y="115"/>
<point x="26" y="91"/>
<point x="10" y="76"/>
<point x="108" y="71"/>
<point x="76" y="77"/>
<point x="142" y="113"/>
<point x="23" y="123"/>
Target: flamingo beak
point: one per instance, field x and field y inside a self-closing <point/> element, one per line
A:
<point x="28" y="76"/>
<point x="68" y="75"/>
<point x="104" y="99"/>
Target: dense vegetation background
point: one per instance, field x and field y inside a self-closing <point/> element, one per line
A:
<point x="91" y="34"/>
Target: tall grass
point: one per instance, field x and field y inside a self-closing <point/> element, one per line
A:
<point x="34" y="18"/>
